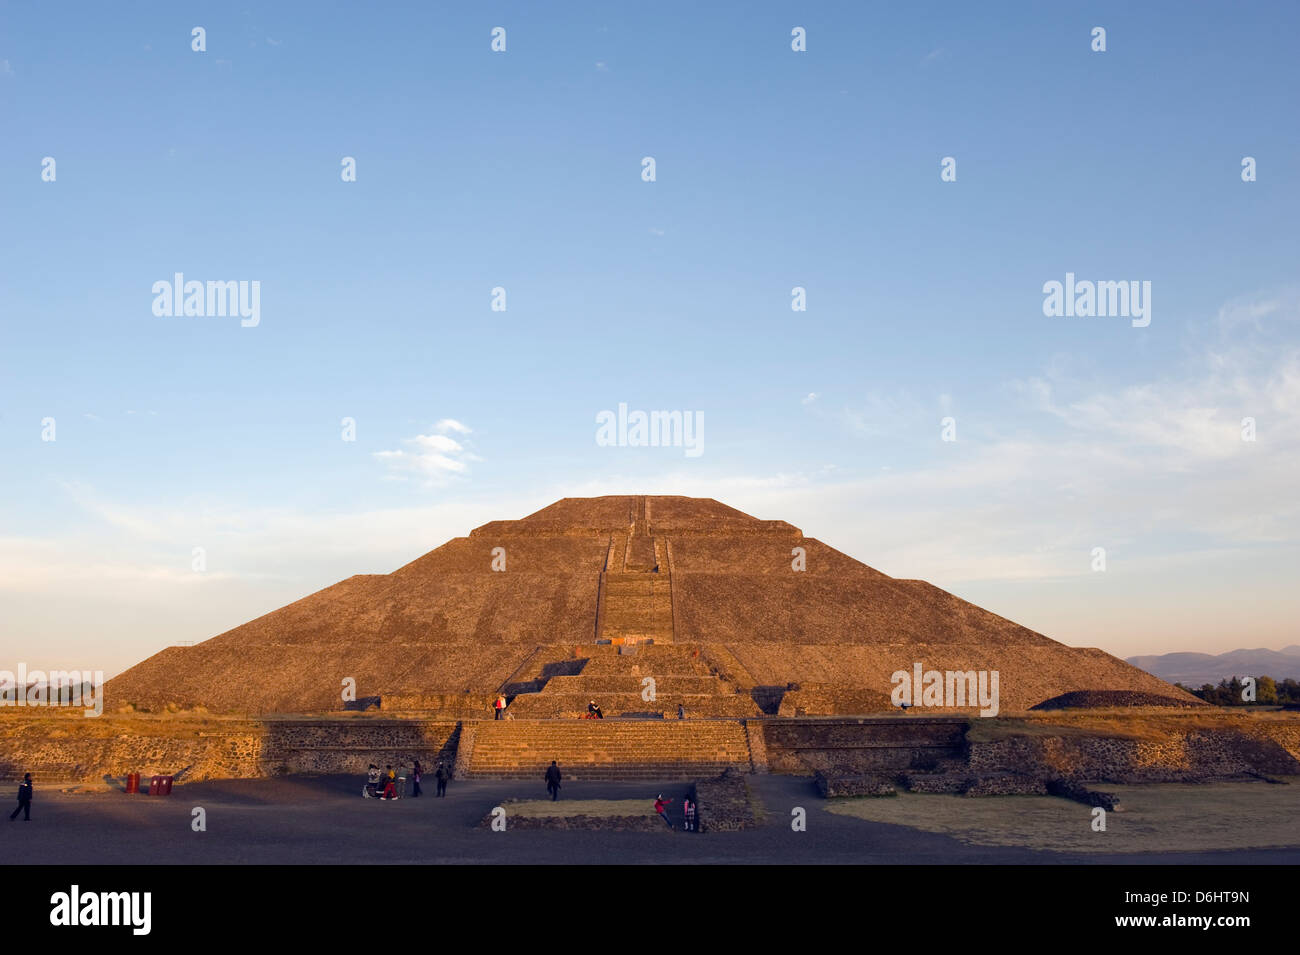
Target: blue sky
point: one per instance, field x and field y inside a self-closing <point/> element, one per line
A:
<point x="774" y="169"/>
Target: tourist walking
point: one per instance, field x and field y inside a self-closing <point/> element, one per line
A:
<point x="499" y="706"/>
<point x="441" y="775"/>
<point x="416" y="773"/>
<point x="661" y="807"/>
<point x="24" y="799"/>
<point x="688" y="813"/>
<point x="553" y="781"/>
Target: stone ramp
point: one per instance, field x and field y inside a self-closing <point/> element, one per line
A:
<point x="607" y="749"/>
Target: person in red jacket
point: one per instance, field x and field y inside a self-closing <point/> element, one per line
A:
<point x="661" y="807"/>
<point x="390" y="784"/>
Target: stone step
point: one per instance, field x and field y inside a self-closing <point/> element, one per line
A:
<point x="608" y="749"/>
<point x="649" y="628"/>
<point x="547" y="705"/>
<point x="638" y="606"/>
<point x="632" y="774"/>
<point x="522" y="761"/>
<point x="631" y="683"/>
<point x="641" y="553"/>
<point x="616" y="583"/>
<point x="636" y="635"/>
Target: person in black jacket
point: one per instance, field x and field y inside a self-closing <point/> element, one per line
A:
<point x="442" y="775"/>
<point x="553" y="781"/>
<point x="24" y="799"/>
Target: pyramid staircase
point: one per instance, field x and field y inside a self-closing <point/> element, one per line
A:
<point x="637" y="608"/>
<point x="636" y="589"/>
<point x="606" y="749"/>
<point x="645" y="681"/>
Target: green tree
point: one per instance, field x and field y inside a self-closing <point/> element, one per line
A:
<point x="1210" y="694"/>
<point x="1265" y="690"/>
<point x="1289" y="691"/>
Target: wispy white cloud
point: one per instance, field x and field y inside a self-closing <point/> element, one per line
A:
<point x="451" y="424"/>
<point x="434" y="458"/>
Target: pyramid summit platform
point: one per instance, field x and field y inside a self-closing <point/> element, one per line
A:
<point x="645" y="603"/>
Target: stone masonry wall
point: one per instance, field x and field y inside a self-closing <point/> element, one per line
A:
<point x="62" y="749"/>
<point x="65" y="751"/>
<point x="1192" y="756"/>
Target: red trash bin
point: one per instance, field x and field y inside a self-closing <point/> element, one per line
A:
<point x="133" y="782"/>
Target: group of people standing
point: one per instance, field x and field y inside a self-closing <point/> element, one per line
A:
<point x="384" y="782"/>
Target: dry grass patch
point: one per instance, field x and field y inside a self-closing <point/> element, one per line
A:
<point x="600" y="808"/>
<point x="1152" y="724"/>
<point x="1172" y="817"/>
<point x="71" y="724"/>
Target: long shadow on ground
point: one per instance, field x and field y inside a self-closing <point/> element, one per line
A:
<point x="314" y="820"/>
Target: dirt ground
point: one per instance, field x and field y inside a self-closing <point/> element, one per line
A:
<point x="324" y="820"/>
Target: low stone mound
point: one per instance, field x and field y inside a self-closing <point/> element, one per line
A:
<point x="725" y="803"/>
<point x="650" y="823"/>
<point x="1100" y="699"/>
<point x="1072" y="789"/>
<point x="974" y="784"/>
<point x="573" y="818"/>
<point x="951" y="784"/>
<point x="1006" y="784"/>
<point x="832" y="787"/>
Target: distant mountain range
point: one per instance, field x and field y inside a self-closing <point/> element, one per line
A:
<point x="1197" y="669"/>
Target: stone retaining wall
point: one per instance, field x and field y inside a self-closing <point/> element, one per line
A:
<point x="70" y="750"/>
<point x="1191" y="756"/>
<point x="846" y="747"/>
<point x="66" y="748"/>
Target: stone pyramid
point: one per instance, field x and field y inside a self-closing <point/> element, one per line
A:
<point x="592" y="597"/>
